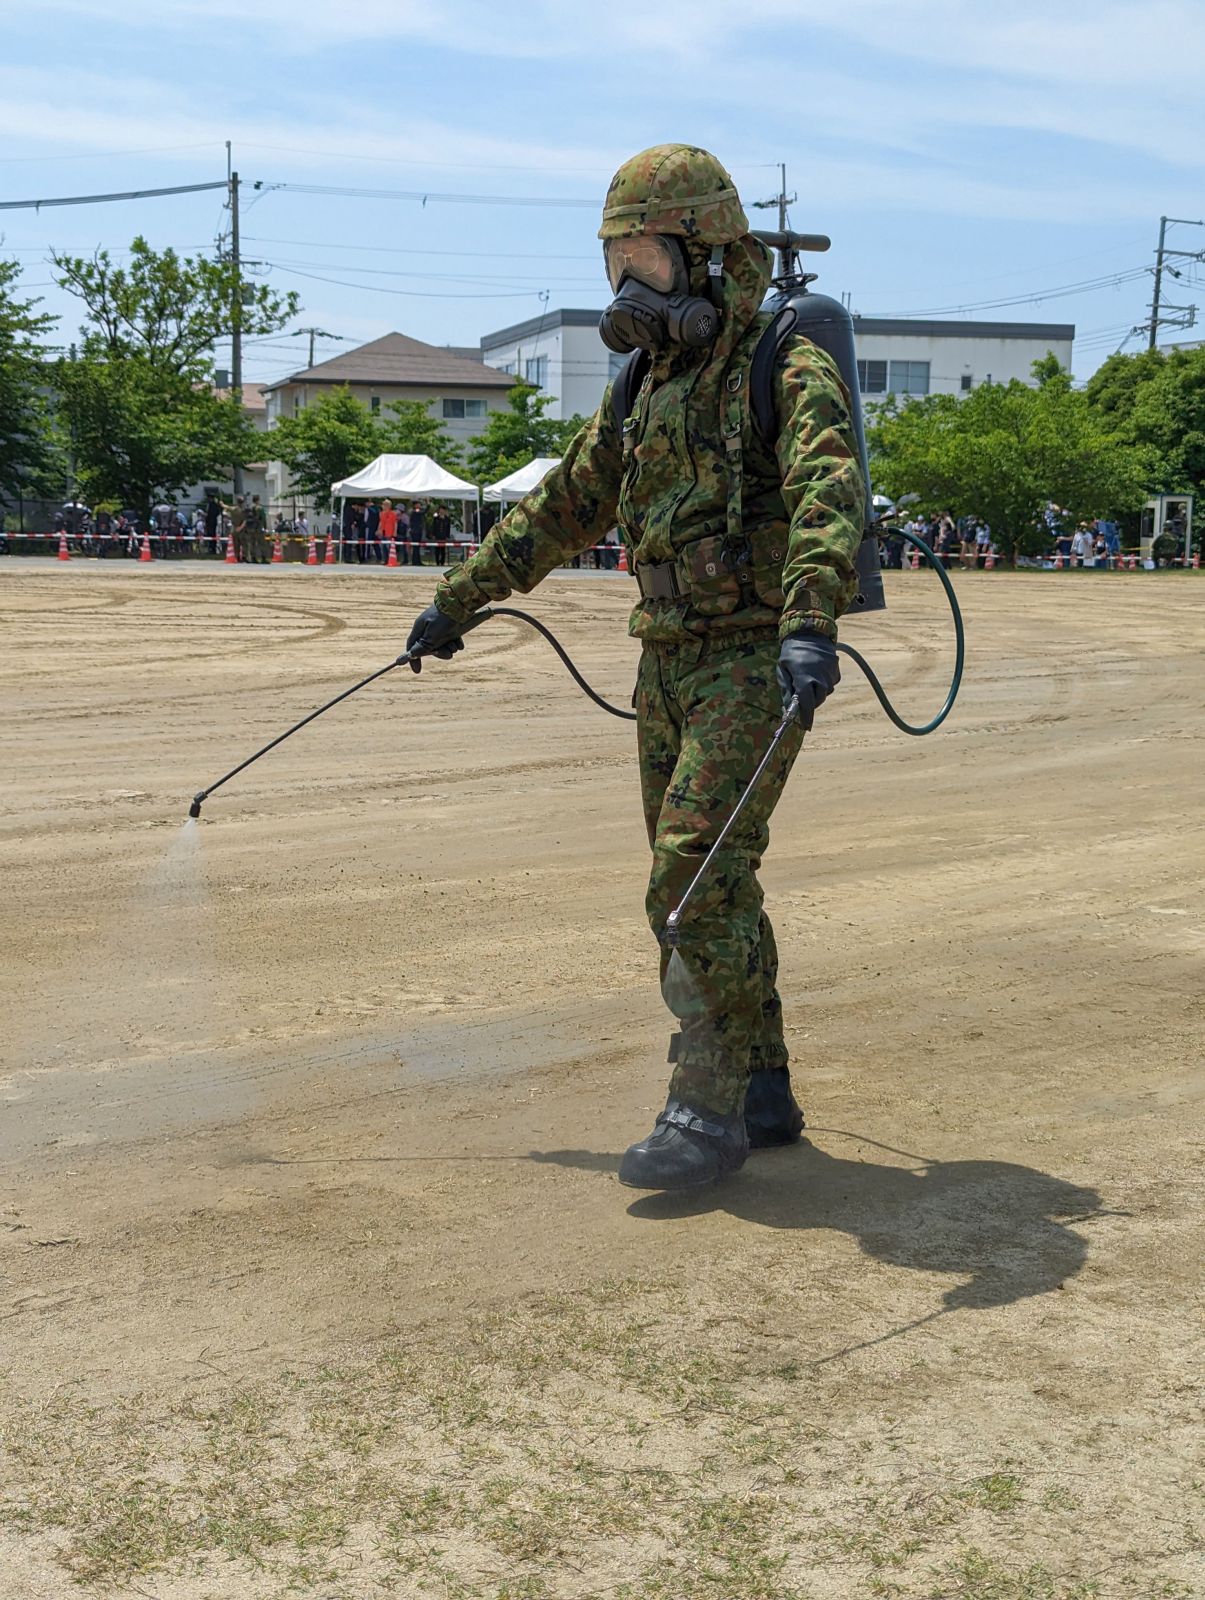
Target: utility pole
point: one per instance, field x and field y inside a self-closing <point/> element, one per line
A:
<point x="782" y="199"/>
<point x="236" y="308"/>
<point x="317" y="333"/>
<point x="1185" y="316"/>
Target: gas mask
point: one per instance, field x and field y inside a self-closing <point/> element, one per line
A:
<point x="653" y="306"/>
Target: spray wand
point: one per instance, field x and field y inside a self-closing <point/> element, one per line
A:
<point x="673" y="923"/>
<point x="407" y="656"/>
<point x="404" y="660"/>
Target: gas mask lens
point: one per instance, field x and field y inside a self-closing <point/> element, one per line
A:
<point x="648" y="259"/>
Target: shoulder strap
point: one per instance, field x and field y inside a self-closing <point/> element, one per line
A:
<point x="761" y="374"/>
<point x="627" y="386"/>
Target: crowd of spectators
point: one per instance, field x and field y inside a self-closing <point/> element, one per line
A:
<point x="370" y="527"/>
<point x="967" y="541"/>
<point x="962" y="541"/>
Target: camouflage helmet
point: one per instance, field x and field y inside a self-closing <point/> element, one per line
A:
<point x="674" y="189"/>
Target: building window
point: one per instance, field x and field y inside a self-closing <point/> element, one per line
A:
<point x="872" y="377"/>
<point x="535" y="371"/>
<point x="908" y="377"/>
<point x="374" y="404"/>
<point x="454" y="410"/>
<point x="615" y="366"/>
<point x="968" y="383"/>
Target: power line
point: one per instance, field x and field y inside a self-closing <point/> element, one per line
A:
<point x="396" y="250"/>
<point x="393" y="161"/>
<point x="99" y="199"/>
<point x="423" y="196"/>
<point x="105" y="155"/>
<point x="1085" y="286"/>
<point x="436" y="277"/>
<point x="411" y="294"/>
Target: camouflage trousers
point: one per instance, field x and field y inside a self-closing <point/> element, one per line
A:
<point x="707" y="709"/>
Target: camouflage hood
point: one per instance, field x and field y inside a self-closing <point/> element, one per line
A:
<point x="748" y="268"/>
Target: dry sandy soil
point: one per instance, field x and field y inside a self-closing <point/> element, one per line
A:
<point x="315" y="1277"/>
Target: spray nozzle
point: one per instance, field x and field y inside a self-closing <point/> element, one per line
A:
<point x="194" y="810"/>
<point x="673" y="929"/>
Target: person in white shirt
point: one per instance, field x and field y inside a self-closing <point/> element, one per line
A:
<point x="1081" y="547"/>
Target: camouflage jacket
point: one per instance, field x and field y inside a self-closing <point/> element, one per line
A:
<point x="667" y="483"/>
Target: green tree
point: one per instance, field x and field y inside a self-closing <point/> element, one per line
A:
<point x="1156" y="401"/>
<point x="512" y="437"/>
<point x="338" y="435"/>
<point x="408" y="428"/>
<point x="26" y="453"/>
<point x="1003" y="451"/>
<point x="329" y="440"/>
<point x="139" y="434"/>
<point x="138" y="399"/>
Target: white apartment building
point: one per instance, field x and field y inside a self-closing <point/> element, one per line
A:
<point x="906" y="356"/>
<point x="562" y="353"/>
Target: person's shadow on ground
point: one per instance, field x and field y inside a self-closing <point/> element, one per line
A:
<point x="1005" y="1229"/>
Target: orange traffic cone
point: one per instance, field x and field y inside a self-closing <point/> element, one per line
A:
<point x="392" y="560"/>
<point x="990" y="560"/>
<point x="915" y="559"/>
<point x="64" y="554"/>
<point x="278" y="551"/>
<point x="330" y="551"/>
<point x="1196" y="561"/>
<point x="144" y="553"/>
<point x="1133" y="562"/>
<point x="623" y="558"/>
<point x="231" y="550"/>
<point x="1058" y="561"/>
<point x="311" y="555"/>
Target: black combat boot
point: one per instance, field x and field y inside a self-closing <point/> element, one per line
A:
<point x="687" y="1149"/>
<point x="771" y="1114"/>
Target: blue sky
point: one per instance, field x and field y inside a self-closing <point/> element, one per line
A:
<point x="958" y="152"/>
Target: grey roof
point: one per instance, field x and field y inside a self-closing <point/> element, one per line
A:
<point x="398" y="362"/>
<point x="545" y="324"/>
<point x="1055" y="331"/>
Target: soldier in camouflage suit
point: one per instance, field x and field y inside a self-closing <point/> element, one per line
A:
<point x="745" y="558"/>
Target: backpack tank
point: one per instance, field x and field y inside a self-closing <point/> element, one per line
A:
<point x="825" y="322"/>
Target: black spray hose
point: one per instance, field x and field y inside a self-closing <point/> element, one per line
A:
<point x="959" y="653"/>
<point x="509" y="611"/>
<point x="475" y="621"/>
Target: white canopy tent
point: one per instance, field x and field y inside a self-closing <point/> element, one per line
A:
<point x="403" y="478"/>
<point x="517" y="484"/>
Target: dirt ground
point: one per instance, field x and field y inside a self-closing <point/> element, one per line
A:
<point x="315" y="1277"/>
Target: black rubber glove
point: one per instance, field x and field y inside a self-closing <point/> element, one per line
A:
<point x="435" y="635"/>
<point x="808" y="667"/>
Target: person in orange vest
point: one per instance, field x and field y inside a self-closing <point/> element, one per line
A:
<point x="387" y="527"/>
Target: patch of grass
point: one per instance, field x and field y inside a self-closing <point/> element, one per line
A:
<point x="1057" y="1498"/>
<point x="976" y="1576"/>
<point x="999" y="1492"/>
<point x="580" y="1435"/>
<point x="737" y="1577"/>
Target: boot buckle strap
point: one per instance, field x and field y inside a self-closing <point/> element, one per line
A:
<point x="679" y="1116"/>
